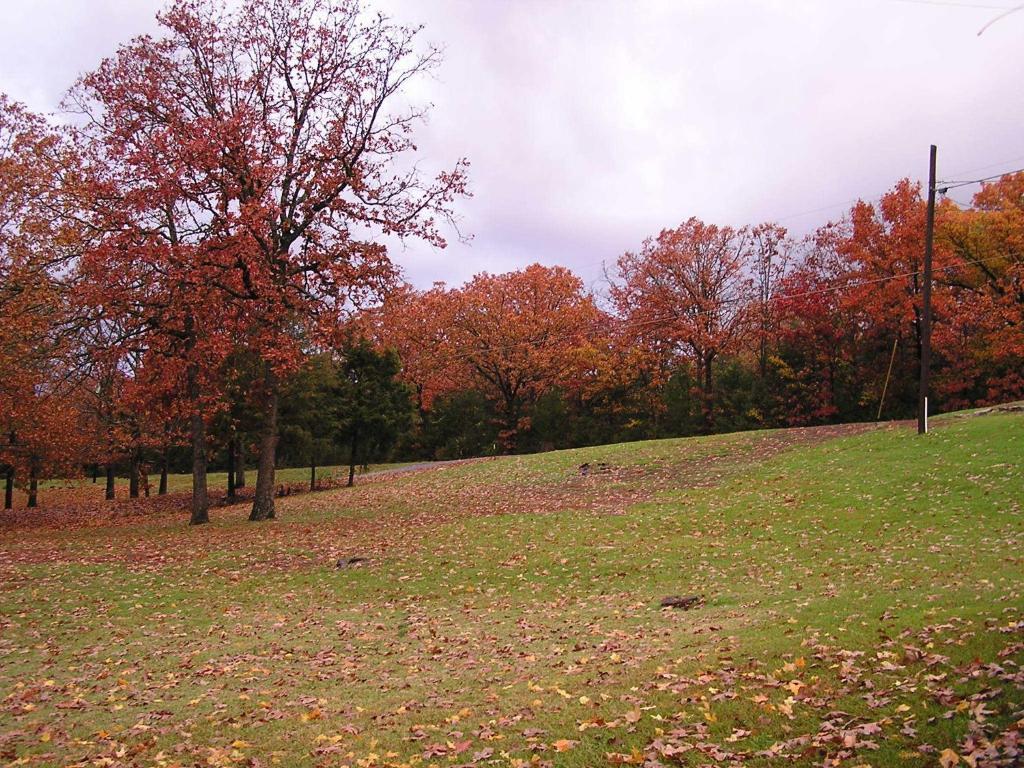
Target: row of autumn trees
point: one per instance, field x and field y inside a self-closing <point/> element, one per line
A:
<point x="708" y="328"/>
<point x="191" y="261"/>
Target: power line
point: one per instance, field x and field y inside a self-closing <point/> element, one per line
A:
<point x="823" y="208"/>
<point x="946" y="185"/>
<point x="1009" y="160"/>
<point x="878" y="197"/>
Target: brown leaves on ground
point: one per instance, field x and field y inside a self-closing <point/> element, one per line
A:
<point x="403" y="507"/>
<point x="833" y="679"/>
<point x="454" y="674"/>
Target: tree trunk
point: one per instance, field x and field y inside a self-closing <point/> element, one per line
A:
<point x="762" y="355"/>
<point x="510" y="436"/>
<point x="709" y="398"/>
<point x="263" y="503"/>
<point x="312" y="476"/>
<point x="163" y="473"/>
<point x="33" y="489"/>
<point x="352" y="462"/>
<point x="9" y="488"/>
<point x="133" y="476"/>
<point x="109" y="492"/>
<point x="95" y="472"/>
<point x="197" y="433"/>
<point x="231" y="468"/>
<point x="200" y="496"/>
<point x="240" y="463"/>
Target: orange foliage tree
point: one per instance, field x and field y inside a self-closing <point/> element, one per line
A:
<point x="521" y="334"/>
<point x="418" y="326"/>
<point x="687" y="293"/>
<point x="982" y="335"/>
<point x="37" y="419"/>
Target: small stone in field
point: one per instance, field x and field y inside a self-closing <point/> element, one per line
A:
<point x="686" y="603"/>
<point x="351" y="562"/>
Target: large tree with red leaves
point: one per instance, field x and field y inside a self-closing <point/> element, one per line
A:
<point x="275" y="134"/>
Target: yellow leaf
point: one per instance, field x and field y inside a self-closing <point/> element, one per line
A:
<point x="563" y="745"/>
<point x="948" y="758"/>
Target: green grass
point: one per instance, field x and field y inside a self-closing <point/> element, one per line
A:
<point x="512" y="604"/>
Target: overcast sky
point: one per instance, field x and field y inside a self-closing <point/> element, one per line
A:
<point x="591" y="124"/>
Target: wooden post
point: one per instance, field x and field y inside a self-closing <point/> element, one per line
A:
<point x="926" y="315"/>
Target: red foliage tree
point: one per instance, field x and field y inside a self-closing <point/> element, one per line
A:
<point x="274" y="125"/>
<point x="817" y="332"/>
<point x="885" y="250"/>
<point x="687" y="292"/>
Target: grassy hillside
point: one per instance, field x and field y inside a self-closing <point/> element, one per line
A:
<point x="862" y="603"/>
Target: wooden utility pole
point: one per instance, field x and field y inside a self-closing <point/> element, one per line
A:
<point x="926" y="314"/>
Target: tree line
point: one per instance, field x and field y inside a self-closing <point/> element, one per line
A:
<point x="709" y="328"/>
<point x="192" y="271"/>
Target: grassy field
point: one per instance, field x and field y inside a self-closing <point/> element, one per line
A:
<point x="862" y="606"/>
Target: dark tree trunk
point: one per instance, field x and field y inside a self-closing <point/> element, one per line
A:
<point x="762" y="354"/>
<point x="709" y="397"/>
<point x="33" y="489"/>
<point x="9" y="488"/>
<point x="352" y="461"/>
<point x="510" y="437"/>
<point x="95" y="472"/>
<point x="144" y="477"/>
<point x="263" y="503"/>
<point x="240" y="463"/>
<point x="163" y="473"/>
<point x="133" y="477"/>
<point x="200" y="497"/>
<point x="197" y="433"/>
<point x="231" y="468"/>
<point x="109" y="492"/>
<point x="312" y="476"/>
